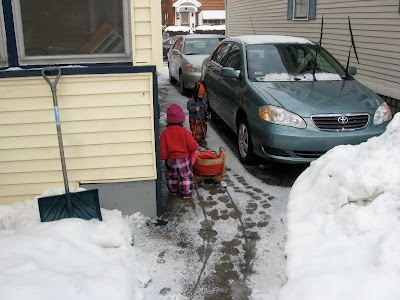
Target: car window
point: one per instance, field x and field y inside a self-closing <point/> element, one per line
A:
<point x="169" y="41"/>
<point x="289" y="62"/>
<point x="234" y="59"/>
<point x="178" y="44"/>
<point x="221" y="53"/>
<point x="200" y="46"/>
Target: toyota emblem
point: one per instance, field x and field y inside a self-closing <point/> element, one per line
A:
<point x="343" y="120"/>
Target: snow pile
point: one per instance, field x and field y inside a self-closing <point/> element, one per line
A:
<point x="67" y="259"/>
<point x="344" y="226"/>
<point x="210" y="28"/>
<point x="177" y="29"/>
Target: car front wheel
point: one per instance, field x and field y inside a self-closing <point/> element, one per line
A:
<point x="244" y="143"/>
<point x="171" y="79"/>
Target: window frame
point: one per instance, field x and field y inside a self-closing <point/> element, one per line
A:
<point x="178" y="44"/>
<point x="311" y="11"/>
<point x="3" y="43"/>
<point x="307" y="10"/>
<point x="214" y="57"/>
<point x="229" y="55"/>
<point x="68" y="59"/>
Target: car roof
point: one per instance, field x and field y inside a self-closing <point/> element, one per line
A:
<point x="203" y="36"/>
<point x="269" y="39"/>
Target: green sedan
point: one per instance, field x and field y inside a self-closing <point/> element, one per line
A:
<point x="288" y="99"/>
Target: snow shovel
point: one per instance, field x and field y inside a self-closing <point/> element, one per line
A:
<point x="84" y="205"/>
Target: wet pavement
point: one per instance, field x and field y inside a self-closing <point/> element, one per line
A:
<point x="229" y="236"/>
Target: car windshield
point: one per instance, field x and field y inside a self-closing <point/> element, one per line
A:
<point x="200" y="46"/>
<point x="291" y="62"/>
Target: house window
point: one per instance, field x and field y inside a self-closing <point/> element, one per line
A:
<point x="300" y="9"/>
<point x="3" y="52"/>
<point x="71" y="31"/>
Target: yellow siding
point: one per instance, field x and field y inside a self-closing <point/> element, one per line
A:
<point x="146" y="32"/>
<point x="107" y="122"/>
<point x="108" y="131"/>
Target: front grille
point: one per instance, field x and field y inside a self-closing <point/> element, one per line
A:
<point x="340" y="122"/>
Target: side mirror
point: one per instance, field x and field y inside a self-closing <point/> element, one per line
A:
<point x="229" y="72"/>
<point x="352" y="71"/>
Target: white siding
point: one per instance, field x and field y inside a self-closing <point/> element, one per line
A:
<point x="375" y="26"/>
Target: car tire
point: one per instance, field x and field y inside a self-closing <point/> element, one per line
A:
<point x="181" y="84"/>
<point x="245" y="146"/>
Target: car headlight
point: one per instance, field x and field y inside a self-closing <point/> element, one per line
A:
<point x="280" y="116"/>
<point x="193" y="68"/>
<point x="382" y="114"/>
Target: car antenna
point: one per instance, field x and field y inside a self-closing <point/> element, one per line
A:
<point x="252" y="25"/>
<point x="318" y="48"/>
<point x="353" y="45"/>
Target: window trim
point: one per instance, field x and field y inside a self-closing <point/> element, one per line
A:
<point x="72" y="59"/>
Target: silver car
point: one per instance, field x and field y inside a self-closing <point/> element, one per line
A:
<point x="187" y="55"/>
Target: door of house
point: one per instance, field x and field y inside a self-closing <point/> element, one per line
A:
<point x="185" y="19"/>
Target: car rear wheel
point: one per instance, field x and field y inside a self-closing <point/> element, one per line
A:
<point x="244" y="143"/>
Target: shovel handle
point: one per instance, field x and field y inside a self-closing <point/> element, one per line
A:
<point x="45" y="73"/>
<point x="53" y="85"/>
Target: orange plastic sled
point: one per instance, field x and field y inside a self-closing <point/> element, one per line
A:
<point x="209" y="166"/>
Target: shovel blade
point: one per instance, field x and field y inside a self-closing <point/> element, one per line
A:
<point x="85" y="205"/>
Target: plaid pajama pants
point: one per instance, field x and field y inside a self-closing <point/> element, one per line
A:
<point x="179" y="176"/>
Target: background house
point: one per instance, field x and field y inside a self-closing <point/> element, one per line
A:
<point x="375" y="25"/>
<point x="109" y="53"/>
<point x="192" y="13"/>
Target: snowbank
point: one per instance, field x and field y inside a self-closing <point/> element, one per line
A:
<point x="344" y="226"/>
<point x="67" y="259"/>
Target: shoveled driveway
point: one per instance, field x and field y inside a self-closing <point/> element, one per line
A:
<point x="227" y="241"/>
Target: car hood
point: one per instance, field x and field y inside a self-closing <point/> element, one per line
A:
<point x="319" y="97"/>
<point x="196" y="59"/>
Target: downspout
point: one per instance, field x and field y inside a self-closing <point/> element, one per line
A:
<point x="156" y="106"/>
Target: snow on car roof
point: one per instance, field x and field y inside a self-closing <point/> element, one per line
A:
<point x="203" y="36"/>
<point x="271" y="39"/>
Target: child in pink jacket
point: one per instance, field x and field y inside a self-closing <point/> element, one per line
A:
<point x="176" y="145"/>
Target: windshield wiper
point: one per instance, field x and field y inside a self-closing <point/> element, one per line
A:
<point x="353" y="45"/>
<point x="318" y="48"/>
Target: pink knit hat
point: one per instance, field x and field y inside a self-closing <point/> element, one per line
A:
<point x="175" y="114"/>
